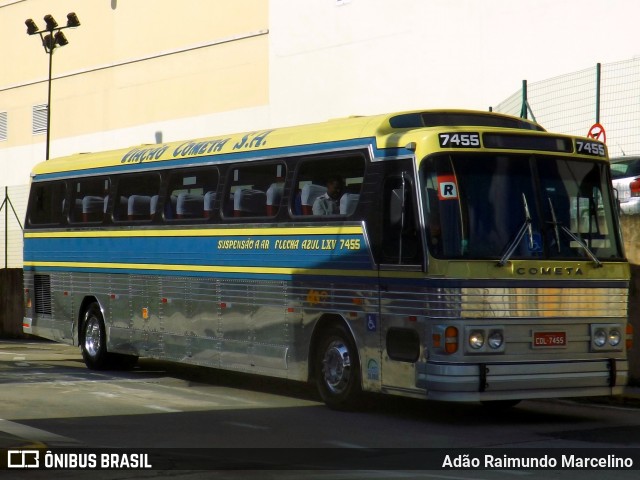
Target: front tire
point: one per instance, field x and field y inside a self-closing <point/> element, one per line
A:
<point x="337" y="370"/>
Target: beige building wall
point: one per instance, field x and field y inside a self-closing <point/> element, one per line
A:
<point x="135" y="71"/>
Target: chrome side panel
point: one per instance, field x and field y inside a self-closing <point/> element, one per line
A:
<point x="255" y="326"/>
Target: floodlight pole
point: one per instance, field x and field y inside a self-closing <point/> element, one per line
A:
<point x="52" y="38"/>
<point x="48" y="142"/>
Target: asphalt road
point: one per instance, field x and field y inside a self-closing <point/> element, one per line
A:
<point x="187" y="416"/>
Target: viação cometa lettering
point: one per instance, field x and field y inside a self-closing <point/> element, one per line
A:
<point x="139" y="155"/>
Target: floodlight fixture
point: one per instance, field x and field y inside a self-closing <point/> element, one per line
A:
<point x="51" y="23"/>
<point x="72" y="20"/>
<point x="48" y="42"/>
<point x="32" y="28"/>
<point x="59" y="39"/>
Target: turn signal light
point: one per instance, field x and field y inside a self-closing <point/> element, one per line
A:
<point x="451" y="340"/>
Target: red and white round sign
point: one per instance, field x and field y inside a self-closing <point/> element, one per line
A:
<point x="597" y="132"/>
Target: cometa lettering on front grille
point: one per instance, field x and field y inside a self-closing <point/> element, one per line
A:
<point x="559" y="271"/>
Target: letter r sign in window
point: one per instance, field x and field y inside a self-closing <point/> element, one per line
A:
<point x="447" y="187"/>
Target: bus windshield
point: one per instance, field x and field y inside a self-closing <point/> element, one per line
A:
<point x="502" y="207"/>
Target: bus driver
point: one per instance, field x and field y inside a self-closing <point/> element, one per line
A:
<point x="329" y="203"/>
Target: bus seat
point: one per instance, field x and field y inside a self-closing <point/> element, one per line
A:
<point x="310" y="192"/>
<point x="138" y="207"/>
<point x="249" y="203"/>
<point x="92" y="208"/>
<point x="274" y="194"/>
<point x="209" y="199"/>
<point x="190" y="206"/>
<point x="348" y="203"/>
<point x="153" y="205"/>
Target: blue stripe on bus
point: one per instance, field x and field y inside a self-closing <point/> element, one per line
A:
<point x="321" y="251"/>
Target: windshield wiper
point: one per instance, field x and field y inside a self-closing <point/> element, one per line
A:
<point x="573" y="236"/>
<point x="554" y="223"/>
<point x="526" y="228"/>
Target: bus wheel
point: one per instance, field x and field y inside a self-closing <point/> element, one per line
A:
<point x="93" y="341"/>
<point x="338" y="370"/>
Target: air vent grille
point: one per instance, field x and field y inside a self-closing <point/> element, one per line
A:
<point x="42" y="285"/>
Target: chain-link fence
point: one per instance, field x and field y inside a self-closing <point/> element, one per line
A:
<point x="13" y="204"/>
<point x="608" y="94"/>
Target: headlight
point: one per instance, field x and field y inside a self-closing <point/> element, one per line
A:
<point x="495" y="339"/>
<point x="607" y="337"/>
<point x="614" y="337"/>
<point x="599" y="338"/>
<point x="476" y="339"/>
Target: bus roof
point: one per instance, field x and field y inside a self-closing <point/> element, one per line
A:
<point x="377" y="126"/>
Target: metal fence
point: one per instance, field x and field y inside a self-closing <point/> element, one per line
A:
<point x="607" y="94"/>
<point x="13" y="204"/>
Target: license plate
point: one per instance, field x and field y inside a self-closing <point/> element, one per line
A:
<point x="549" y="339"/>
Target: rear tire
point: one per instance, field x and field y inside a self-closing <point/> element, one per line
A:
<point x="93" y="344"/>
<point x="93" y="341"/>
<point x="337" y="369"/>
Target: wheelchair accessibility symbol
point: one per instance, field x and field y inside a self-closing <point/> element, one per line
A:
<point x="372" y="322"/>
<point x="536" y="243"/>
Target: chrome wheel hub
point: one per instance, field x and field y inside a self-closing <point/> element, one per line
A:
<point x="92" y="337"/>
<point x="336" y="367"/>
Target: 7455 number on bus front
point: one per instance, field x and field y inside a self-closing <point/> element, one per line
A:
<point x="590" y="148"/>
<point x="459" y="140"/>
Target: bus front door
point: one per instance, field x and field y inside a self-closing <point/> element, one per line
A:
<point x="401" y="264"/>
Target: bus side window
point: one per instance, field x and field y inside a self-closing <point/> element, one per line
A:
<point x="88" y="200"/>
<point x="314" y="177"/>
<point x="133" y="199"/>
<point x="191" y="194"/>
<point x="47" y="203"/>
<point x="255" y="190"/>
<point x="401" y="239"/>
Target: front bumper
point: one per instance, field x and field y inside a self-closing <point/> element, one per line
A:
<point x="504" y="381"/>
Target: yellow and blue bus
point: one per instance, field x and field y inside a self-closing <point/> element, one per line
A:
<point x="467" y="256"/>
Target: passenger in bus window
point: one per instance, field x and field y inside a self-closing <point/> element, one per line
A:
<point x="329" y="203"/>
